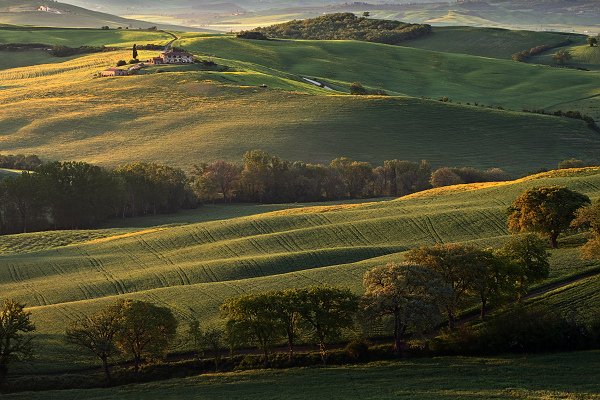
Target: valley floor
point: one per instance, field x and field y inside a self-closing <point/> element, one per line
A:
<point x="553" y="376"/>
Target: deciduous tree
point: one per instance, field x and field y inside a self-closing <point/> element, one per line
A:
<point x="97" y="333"/>
<point x="411" y="295"/>
<point x="146" y="330"/>
<point x="15" y="338"/>
<point x="546" y="210"/>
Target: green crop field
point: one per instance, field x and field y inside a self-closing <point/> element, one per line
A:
<point x="556" y="376"/>
<point x="488" y="42"/>
<point x="193" y="265"/>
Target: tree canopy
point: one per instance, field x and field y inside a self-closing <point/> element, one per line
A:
<point x="546" y="210"/>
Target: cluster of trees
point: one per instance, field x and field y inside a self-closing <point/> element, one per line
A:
<point x="266" y="178"/>
<point x="525" y="55"/>
<point x="138" y="330"/>
<point x="347" y="26"/>
<point x="75" y="195"/>
<point x="562" y="56"/>
<point x="593" y="40"/>
<point x="29" y="162"/>
<point x="574" y="163"/>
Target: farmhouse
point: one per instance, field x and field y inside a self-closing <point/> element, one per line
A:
<point x="173" y="57"/>
<point x="114" y="72"/>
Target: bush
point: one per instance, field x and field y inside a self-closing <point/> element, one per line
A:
<point x="521" y="330"/>
<point x="134" y="61"/>
<point x="120" y="63"/>
<point x="254" y="35"/>
<point x="358" y="89"/>
<point x="357" y="350"/>
<point x="572" y="163"/>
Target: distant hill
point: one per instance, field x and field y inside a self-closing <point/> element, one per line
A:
<point x="55" y="14"/>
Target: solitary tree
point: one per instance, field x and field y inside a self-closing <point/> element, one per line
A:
<point x="146" y="330"/>
<point x="592" y="41"/>
<point x="97" y="333"/>
<point x="135" y="52"/>
<point x="457" y="264"/>
<point x="546" y="210"/>
<point x="410" y="294"/>
<point x="527" y="259"/>
<point x="15" y="343"/>
<point x="327" y="311"/>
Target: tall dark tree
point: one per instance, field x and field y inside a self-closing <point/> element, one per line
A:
<point x="135" y="52"/>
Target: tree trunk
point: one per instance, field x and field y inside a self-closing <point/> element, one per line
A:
<point x="106" y="370"/>
<point x="451" y="323"/>
<point x="266" y="354"/>
<point x="483" y="310"/>
<point x="397" y="335"/>
<point x="554" y="240"/>
<point x="291" y="345"/>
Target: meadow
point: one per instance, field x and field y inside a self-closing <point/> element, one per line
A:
<point x="564" y="376"/>
<point x="192" y="266"/>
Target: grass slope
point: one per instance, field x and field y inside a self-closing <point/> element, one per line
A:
<point x="413" y="72"/>
<point x="185" y="117"/>
<point x="487" y="42"/>
<point x="193" y="267"/>
<point x="513" y="377"/>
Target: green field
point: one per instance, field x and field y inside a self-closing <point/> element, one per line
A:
<point x="194" y="265"/>
<point x="556" y="376"/>
<point x="488" y="42"/>
<point x="184" y="116"/>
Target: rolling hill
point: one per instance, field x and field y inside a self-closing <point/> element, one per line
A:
<point x="189" y="114"/>
<point x="192" y="267"/>
<point x="64" y="15"/>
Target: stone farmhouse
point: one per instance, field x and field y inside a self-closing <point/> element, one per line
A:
<point x="173" y="57"/>
<point x="114" y="72"/>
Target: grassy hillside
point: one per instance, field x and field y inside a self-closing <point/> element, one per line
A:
<point x="187" y="116"/>
<point x="517" y="377"/>
<point x="488" y="42"/>
<point x="412" y="72"/>
<point x="193" y="267"/>
<point x="81" y="37"/>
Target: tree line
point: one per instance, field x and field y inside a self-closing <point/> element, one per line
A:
<point x="78" y="195"/>
<point x="432" y="284"/>
<point x="347" y="26"/>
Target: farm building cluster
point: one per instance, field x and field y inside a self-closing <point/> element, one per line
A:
<point x="166" y="57"/>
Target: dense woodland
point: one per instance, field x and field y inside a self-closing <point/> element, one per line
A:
<point x="347" y="26"/>
<point x="77" y="195"/>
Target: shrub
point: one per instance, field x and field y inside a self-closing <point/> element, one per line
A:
<point x="357" y="89"/>
<point x="572" y="163"/>
<point x="134" y="61"/>
<point x="120" y="63"/>
<point x="357" y="350"/>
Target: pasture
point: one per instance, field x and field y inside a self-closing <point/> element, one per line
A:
<point x="192" y="267"/>
<point x="568" y="376"/>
